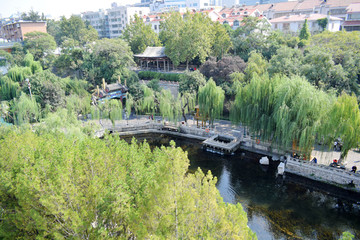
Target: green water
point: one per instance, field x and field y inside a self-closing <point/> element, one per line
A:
<point x="277" y="208"/>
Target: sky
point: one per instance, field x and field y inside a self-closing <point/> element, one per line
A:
<point x="56" y="8"/>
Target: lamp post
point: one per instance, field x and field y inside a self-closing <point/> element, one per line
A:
<point x="29" y="86"/>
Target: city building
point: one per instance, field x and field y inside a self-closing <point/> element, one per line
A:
<point x="120" y="16"/>
<point x="294" y="23"/>
<point x="99" y="20"/>
<point x="334" y="8"/>
<point x="111" y="23"/>
<point x="234" y="16"/>
<point x="254" y="2"/>
<point x="15" y="31"/>
<point x="352" y="22"/>
<point x="182" y="5"/>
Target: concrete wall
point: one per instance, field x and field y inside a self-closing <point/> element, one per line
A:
<point x="322" y="173"/>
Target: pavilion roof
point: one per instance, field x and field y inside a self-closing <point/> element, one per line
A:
<point x="153" y="52"/>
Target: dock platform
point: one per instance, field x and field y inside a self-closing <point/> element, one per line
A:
<point x="222" y="143"/>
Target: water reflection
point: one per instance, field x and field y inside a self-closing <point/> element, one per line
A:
<point x="276" y="208"/>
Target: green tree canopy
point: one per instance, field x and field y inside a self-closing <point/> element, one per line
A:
<point x="221" y="40"/>
<point x="191" y="82"/>
<point x="39" y="44"/>
<point x="305" y="32"/>
<point x="109" y="59"/>
<point x="139" y="35"/>
<point x="26" y="110"/>
<point x="186" y="38"/>
<point x="287" y="61"/>
<point x="211" y="101"/>
<point x="65" y="187"/>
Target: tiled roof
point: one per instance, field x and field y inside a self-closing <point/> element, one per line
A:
<point x="301" y="18"/>
<point x="355" y="7"/>
<point x="340" y="3"/>
<point x="262" y="7"/>
<point x="153" y="52"/>
<point x="351" y="23"/>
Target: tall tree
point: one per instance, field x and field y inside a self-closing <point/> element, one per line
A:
<point x="256" y="65"/>
<point x="40" y="45"/>
<point x="27" y="110"/>
<point x="191" y="82"/>
<point x="186" y="37"/>
<point x="211" y="101"/>
<point x="139" y="35"/>
<point x="282" y="110"/>
<point x="305" y="32"/>
<point x="287" y="61"/>
<point x="221" y="41"/>
<point x="109" y="59"/>
<point x="343" y="121"/>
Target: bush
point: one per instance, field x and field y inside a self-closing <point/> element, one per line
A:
<point x="148" y="75"/>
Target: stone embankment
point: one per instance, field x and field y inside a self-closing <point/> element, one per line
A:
<point x="327" y="174"/>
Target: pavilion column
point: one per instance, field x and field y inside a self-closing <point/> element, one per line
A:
<point x="157" y="65"/>
<point x="164" y="66"/>
<point x="147" y="65"/>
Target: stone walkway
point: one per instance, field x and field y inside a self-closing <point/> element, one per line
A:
<point x="324" y="155"/>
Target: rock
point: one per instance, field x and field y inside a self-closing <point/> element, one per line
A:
<point x="264" y="161"/>
<point x="281" y="168"/>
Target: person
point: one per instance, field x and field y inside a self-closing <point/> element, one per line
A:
<point x="353" y="169"/>
<point x="334" y="163"/>
<point x="314" y="160"/>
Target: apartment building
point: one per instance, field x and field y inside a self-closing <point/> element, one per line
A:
<point x="334" y="8"/>
<point x="352" y="22"/>
<point x="99" y="20"/>
<point x="294" y="23"/>
<point x="120" y="16"/>
<point x="15" y="31"/>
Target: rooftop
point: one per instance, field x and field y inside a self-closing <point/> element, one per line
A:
<point x="152" y="52"/>
<point x="301" y="18"/>
<point x="352" y="8"/>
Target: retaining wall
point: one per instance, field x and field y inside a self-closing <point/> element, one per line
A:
<point x="322" y="173"/>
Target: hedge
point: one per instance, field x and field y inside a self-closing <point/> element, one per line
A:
<point x="148" y="75"/>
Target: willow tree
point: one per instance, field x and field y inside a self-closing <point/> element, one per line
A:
<point x="343" y="121"/>
<point x="254" y="105"/>
<point x="282" y="110"/>
<point x="8" y="89"/>
<point x="27" y="110"/>
<point x="147" y="103"/>
<point x="187" y="102"/>
<point x="19" y="74"/>
<point x="129" y="104"/>
<point x="299" y="113"/>
<point x="167" y="105"/>
<point x="211" y="101"/>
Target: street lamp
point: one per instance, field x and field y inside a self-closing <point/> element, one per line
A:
<point x="29" y="86"/>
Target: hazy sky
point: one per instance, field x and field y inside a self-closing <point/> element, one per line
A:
<point x="56" y="8"/>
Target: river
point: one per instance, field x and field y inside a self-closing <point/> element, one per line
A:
<point x="277" y="208"/>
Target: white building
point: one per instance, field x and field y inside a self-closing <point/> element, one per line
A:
<point x="352" y="22"/>
<point x="99" y="21"/>
<point x="120" y="16"/>
<point x="294" y="23"/>
<point x="182" y="5"/>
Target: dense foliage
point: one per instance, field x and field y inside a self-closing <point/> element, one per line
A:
<point x="58" y="187"/>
